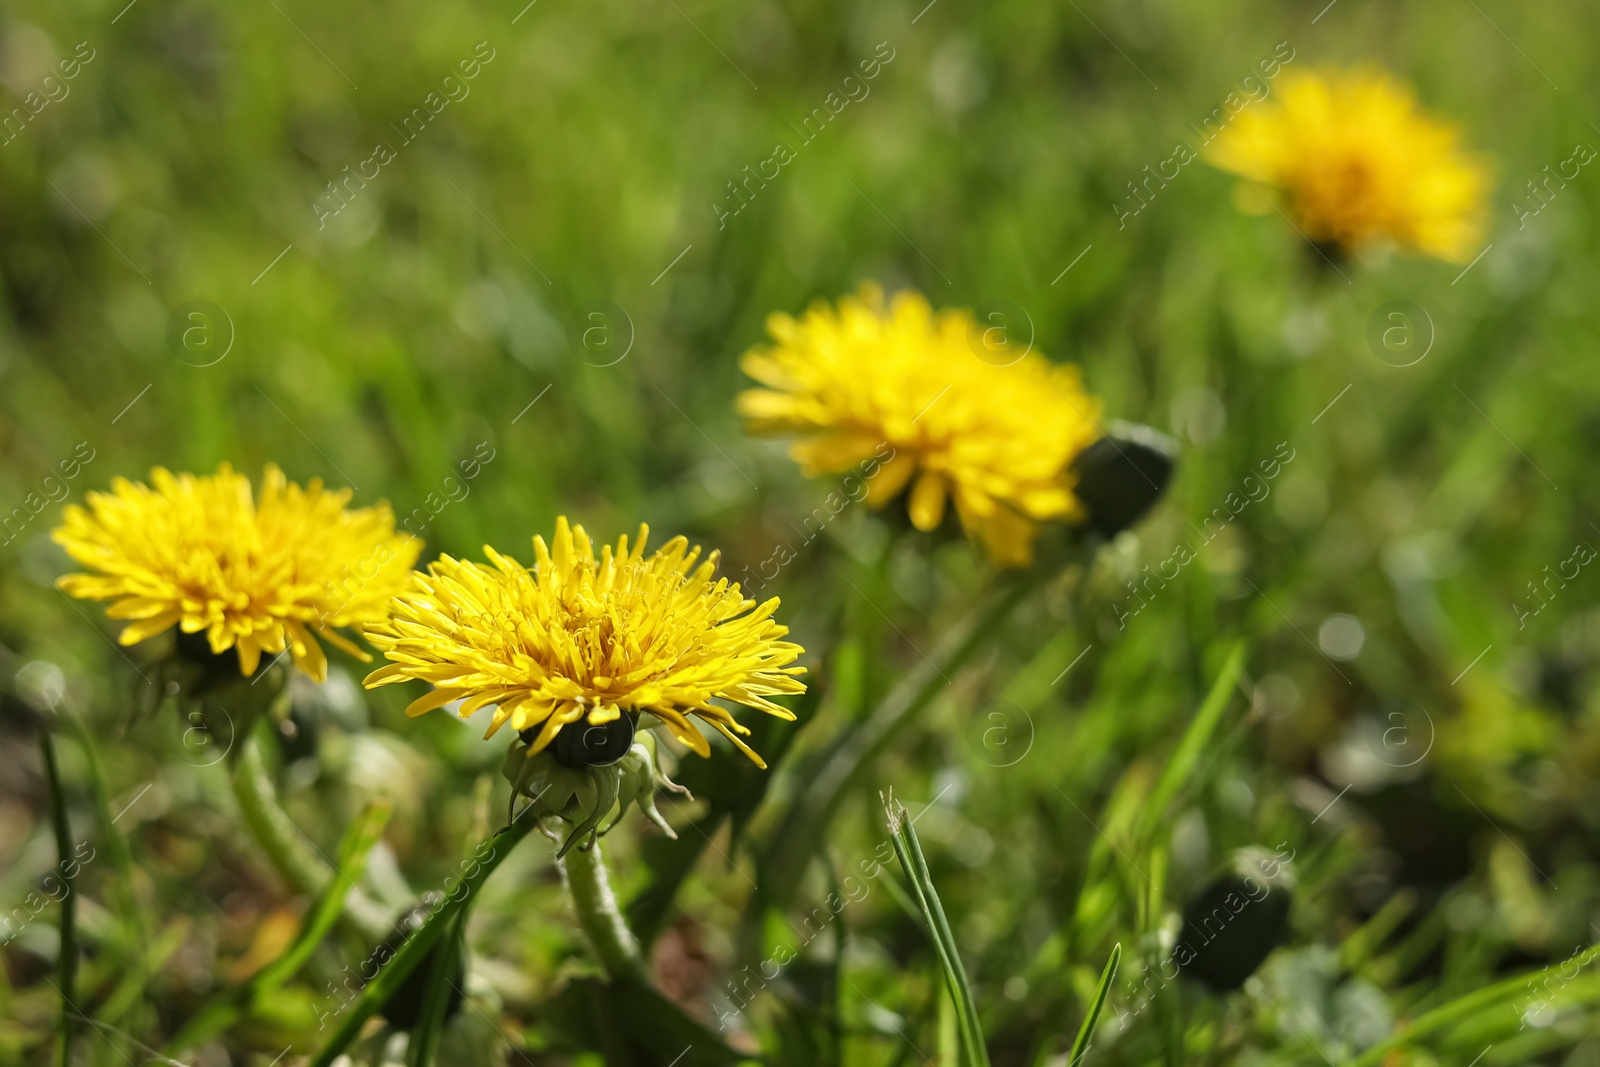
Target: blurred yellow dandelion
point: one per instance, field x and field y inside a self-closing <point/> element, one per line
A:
<point x="1358" y="161"/>
<point x="580" y="638"/>
<point x="201" y="553"/>
<point x="996" y="436"/>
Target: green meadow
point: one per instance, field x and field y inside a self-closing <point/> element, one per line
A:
<point x="495" y="264"/>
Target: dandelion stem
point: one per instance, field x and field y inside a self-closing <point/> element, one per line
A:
<point x="599" y="915"/>
<point x="291" y="853"/>
<point x="225" y="1010"/>
<point x="67" y="957"/>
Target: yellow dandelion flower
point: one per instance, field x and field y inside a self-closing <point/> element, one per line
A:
<point x="578" y="638"/>
<point x="995" y="436"/>
<point x="1357" y="161"/>
<point x="201" y="553"/>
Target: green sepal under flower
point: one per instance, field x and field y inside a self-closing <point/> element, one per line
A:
<point x="584" y="796"/>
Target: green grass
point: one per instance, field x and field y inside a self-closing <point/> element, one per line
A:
<point x="410" y="335"/>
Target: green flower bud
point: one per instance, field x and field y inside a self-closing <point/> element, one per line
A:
<point x="584" y="795"/>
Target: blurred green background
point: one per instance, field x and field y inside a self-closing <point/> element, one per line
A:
<point x="549" y="272"/>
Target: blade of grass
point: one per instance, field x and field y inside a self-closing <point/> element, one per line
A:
<point x="424" y="1041"/>
<point x="1462" y="1008"/>
<point x="354" y="848"/>
<point x="227" y="1009"/>
<point x="892" y="886"/>
<point x="906" y="846"/>
<point x="950" y="1046"/>
<point x="1361" y="946"/>
<point x="67" y="958"/>
<point x="378" y="991"/>
<point x="831" y="1023"/>
<point x="121" y="855"/>
<point x="1080" y="1044"/>
<point x="1182" y="763"/>
<point x="130" y="990"/>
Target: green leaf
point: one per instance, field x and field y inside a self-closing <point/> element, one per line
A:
<point x="424" y="1043"/>
<point x="633" y="1026"/>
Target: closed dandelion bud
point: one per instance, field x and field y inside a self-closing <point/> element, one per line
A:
<point x="582" y="796"/>
<point x="404" y="1007"/>
<point x="1122" y="476"/>
<point x="1232" y="924"/>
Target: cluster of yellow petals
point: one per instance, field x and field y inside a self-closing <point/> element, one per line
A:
<point x="993" y="432"/>
<point x="1357" y="161"/>
<point x="584" y="638"/>
<point x="201" y="553"/>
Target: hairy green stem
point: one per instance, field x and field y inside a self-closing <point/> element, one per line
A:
<point x="67" y="956"/>
<point x="599" y="915"/>
<point x="292" y="855"/>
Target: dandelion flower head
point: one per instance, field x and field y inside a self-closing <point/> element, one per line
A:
<point x="1357" y="161"/>
<point x="969" y="420"/>
<point x="203" y="553"/>
<point x="586" y="638"/>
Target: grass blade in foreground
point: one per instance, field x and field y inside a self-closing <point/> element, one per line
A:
<point x="457" y="896"/>
<point x="909" y="850"/>
<point x="1080" y="1045"/>
<point x="1478" y="1004"/>
<point x="284" y="844"/>
<point x="1178" y="769"/>
<point x="424" y="1040"/>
